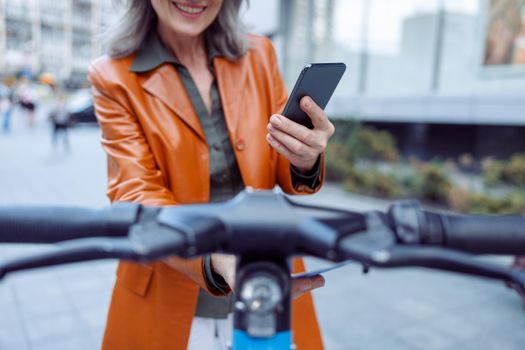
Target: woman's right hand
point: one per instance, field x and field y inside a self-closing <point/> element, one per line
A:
<point x="224" y="265"/>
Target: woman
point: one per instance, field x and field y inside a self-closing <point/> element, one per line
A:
<point x="185" y="103"/>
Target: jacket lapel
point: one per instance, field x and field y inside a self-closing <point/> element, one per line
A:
<point x="231" y="77"/>
<point x="165" y="84"/>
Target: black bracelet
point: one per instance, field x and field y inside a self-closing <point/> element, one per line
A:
<point x="311" y="178"/>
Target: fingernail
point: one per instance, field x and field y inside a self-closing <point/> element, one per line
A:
<point x="270" y="127"/>
<point x="275" y="120"/>
<point x="306" y="102"/>
<point x="269" y="137"/>
<point x="306" y="286"/>
<point x="320" y="282"/>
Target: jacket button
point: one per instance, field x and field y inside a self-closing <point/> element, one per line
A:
<point x="239" y="145"/>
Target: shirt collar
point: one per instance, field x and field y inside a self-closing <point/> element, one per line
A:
<point x="154" y="53"/>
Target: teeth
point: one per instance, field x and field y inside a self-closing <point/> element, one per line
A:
<point x="189" y="9"/>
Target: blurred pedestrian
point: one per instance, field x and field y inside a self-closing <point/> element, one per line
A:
<point x="6" y="107"/>
<point x="60" y="119"/>
<point x="27" y="99"/>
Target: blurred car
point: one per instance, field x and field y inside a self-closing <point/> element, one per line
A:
<point x="80" y="107"/>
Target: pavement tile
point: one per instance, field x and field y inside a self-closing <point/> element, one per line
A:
<point x="494" y="314"/>
<point x="12" y="333"/>
<point x="96" y="299"/>
<point x="78" y="270"/>
<point x="6" y="295"/>
<point x="41" y="329"/>
<point x="96" y="338"/>
<point x="456" y="325"/>
<point x="108" y="271"/>
<point x="85" y="283"/>
<point x="414" y="308"/>
<point x="379" y="341"/>
<point x="94" y="318"/>
<point x="76" y="342"/>
<point x="41" y="290"/>
<point x="8" y="313"/>
<point x="8" y="343"/>
<point x="43" y="307"/>
<point x="487" y="341"/>
<point x="424" y="336"/>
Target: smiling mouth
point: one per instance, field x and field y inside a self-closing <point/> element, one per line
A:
<point x="191" y="10"/>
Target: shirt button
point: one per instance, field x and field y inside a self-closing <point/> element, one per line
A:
<point x="239" y="145"/>
<point x="216" y="147"/>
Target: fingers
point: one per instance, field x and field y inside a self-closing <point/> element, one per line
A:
<point x="300" y="155"/>
<point x="317" y="115"/>
<point x="313" y="138"/>
<point x="279" y="147"/>
<point x="292" y="144"/>
<point x="224" y="265"/>
<point x="290" y="127"/>
<point x="300" y="145"/>
<point x="301" y="286"/>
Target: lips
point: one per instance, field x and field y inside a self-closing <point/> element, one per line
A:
<point x="190" y="10"/>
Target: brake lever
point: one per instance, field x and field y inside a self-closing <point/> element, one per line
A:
<point x="379" y="249"/>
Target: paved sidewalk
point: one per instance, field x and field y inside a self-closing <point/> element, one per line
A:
<point x="65" y="307"/>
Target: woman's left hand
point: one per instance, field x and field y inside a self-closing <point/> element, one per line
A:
<point x="302" y="146"/>
<point x="225" y="264"/>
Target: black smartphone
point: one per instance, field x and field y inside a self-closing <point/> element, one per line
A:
<point x="317" y="80"/>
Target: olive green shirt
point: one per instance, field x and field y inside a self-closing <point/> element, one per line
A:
<point x="225" y="177"/>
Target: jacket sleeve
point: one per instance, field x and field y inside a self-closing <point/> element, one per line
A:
<point x="290" y="184"/>
<point x="133" y="174"/>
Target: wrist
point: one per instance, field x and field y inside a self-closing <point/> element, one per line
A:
<point x="304" y="169"/>
<point x="307" y="169"/>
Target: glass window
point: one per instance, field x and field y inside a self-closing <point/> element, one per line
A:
<point x="297" y="50"/>
<point x="323" y="31"/>
<point x="461" y="50"/>
<point x="400" y="46"/>
<point x="343" y="43"/>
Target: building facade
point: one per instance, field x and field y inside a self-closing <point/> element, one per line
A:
<point x="437" y="73"/>
<point x="57" y="37"/>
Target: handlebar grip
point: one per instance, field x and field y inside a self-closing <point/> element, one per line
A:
<point x="484" y="234"/>
<point x="55" y="224"/>
<point x="478" y="234"/>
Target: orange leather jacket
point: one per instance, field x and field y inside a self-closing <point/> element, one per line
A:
<point x="157" y="155"/>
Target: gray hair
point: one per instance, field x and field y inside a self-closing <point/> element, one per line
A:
<point x="126" y="35"/>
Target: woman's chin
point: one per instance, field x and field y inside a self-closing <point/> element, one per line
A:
<point x="185" y="27"/>
<point x="182" y="30"/>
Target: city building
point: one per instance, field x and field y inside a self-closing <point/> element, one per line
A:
<point x="445" y="76"/>
<point x="56" y="37"/>
<point x="62" y="37"/>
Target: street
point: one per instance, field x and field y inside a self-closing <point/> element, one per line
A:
<point x="65" y="307"/>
